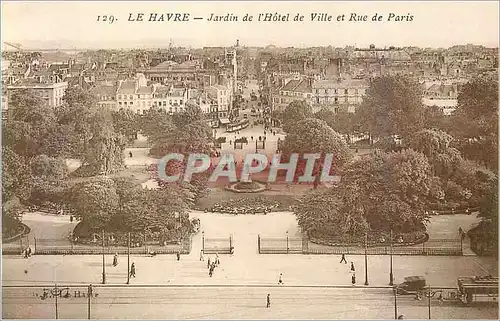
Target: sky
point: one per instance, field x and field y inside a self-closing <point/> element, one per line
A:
<point x="73" y="24"/>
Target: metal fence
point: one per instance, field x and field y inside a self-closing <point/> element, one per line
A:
<point x="289" y="245"/>
<point x="40" y="246"/>
<point x="222" y="245"/>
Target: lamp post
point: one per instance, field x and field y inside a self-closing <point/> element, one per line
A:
<point x="128" y="259"/>
<point x="395" y="291"/>
<point x="287" y="246"/>
<point x="103" y="261"/>
<point x="429" y="303"/>
<point x="366" y="259"/>
<point x="391" y="276"/>
<point x="55" y="292"/>
<point x="89" y="296"/>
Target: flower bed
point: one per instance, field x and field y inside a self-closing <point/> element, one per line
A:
<point x="245" y="206"/>
<point x="246" y="187"/>
<point x="375" y="239"/>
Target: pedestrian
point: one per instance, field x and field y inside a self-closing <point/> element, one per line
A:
<point x="25" y="253"/>
<point x="251" y="137"/>
<point x="343" y="259"/>
<point x="208" y="263"/>
<point x="217" y="262"/>
<point x="230" y="141"/>
<point x="71" y="218"/>
<point x="115" y="259"/>
<point x="130" y="154"/>
<point x="201" y="255"/>
<point x="460" y="231"/>
<point x="29" y="251"/>
<point x="280" y="280"/>
<point x="352" y="267"/>
<point x="268" y="300"/>
<point x="353" y="279"/>
<point x="132" y="270"/>
<point x="178" y="256"/>
<point x="211" y="272"/>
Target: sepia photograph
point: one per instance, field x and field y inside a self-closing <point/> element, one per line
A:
<point x="331" y="160"/>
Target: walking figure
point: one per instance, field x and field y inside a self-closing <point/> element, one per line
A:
<point x="280" y="280"/>
<point x="115" y="259"/>
<point x="25" y="253"/>
<point x="201" y="256"/>
<point x="132" y="270"/>
<point x="208" y="263"/>
<point x="217" y="262"/>
<point x="343" y="259"/>
<point x="29" y="251"/>
<point x="178" y="256"/>
<point x="352" y="267"/>
<point x="268" y="300"/>
<point x="71" y="218"/>
<point x="211" y="272"/>
<point x="353" y="279"/>
<point x="130" y="154"/>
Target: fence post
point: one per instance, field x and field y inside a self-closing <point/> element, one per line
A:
<point x="34" y="239"/>
<point x="461" y="245"/>
<point x="258" y="242"/>
<point x="71" y="242"/>
<point x="145" y="246"/>
<point x="424" y="252"/>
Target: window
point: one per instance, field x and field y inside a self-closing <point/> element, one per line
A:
<point x="131" y="102"/>
<point x="164" y="103"/>
<point x="131" y="97"/>
<point x="346" y="91"/>
<point x="120" y="103"/>
<point x="125" y="103"/>
<point x="119" y="96"/>
<point x="180" y="102"/>
<point x="336" y="100"/>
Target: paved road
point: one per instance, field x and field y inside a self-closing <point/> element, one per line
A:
<point x="234" y="303"/>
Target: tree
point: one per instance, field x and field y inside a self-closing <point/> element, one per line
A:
<point x="94" y="201"/>
<point x="126" y="122"/>
<point x="296" y="111"/>
<point x="315" y="136"/>
<point x="48" y="180"/>
<point x="16" y="175"/>
<point x="476" y="121"/>
<point x="191" y="114"/>
<point x="157" y="125"/>
<point x="378" y="193"/>
<point x="392" y="106"/>
<point x="322" y="211"/>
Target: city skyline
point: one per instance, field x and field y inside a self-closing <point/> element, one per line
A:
<point x="435" y="25"/>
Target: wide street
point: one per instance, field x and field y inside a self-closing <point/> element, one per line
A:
<point x="233" y="303"/>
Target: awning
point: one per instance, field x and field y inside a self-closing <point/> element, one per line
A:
<point x="224" y="121"/>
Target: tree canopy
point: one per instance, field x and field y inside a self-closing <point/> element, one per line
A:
<point x="295" y="111"/>
<point x="392" y="106"/>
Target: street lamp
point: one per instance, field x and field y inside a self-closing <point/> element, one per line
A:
<point x="287" y="247"/>
<point x="391" y="276"/>
<point x="103" y="261"/>
<point x="128" y="259"/>
<point x="55" y="292"/>
<point x="395" y="291"/>
<point x="366" y="259"/>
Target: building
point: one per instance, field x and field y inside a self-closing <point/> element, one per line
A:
<point x="106" y="96"/>
<point x="135" y="94"/>
<point x="221" y="98"/>
<point x="50" y="90"/>
<point x="338" y="94"/>
<point x="295" y="89"/>
<point x="170" y="71"/>
<point x="444" y="96"/>
<point x="170" y="99"/>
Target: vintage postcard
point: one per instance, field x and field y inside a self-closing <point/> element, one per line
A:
<point x="249" y="160"/>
